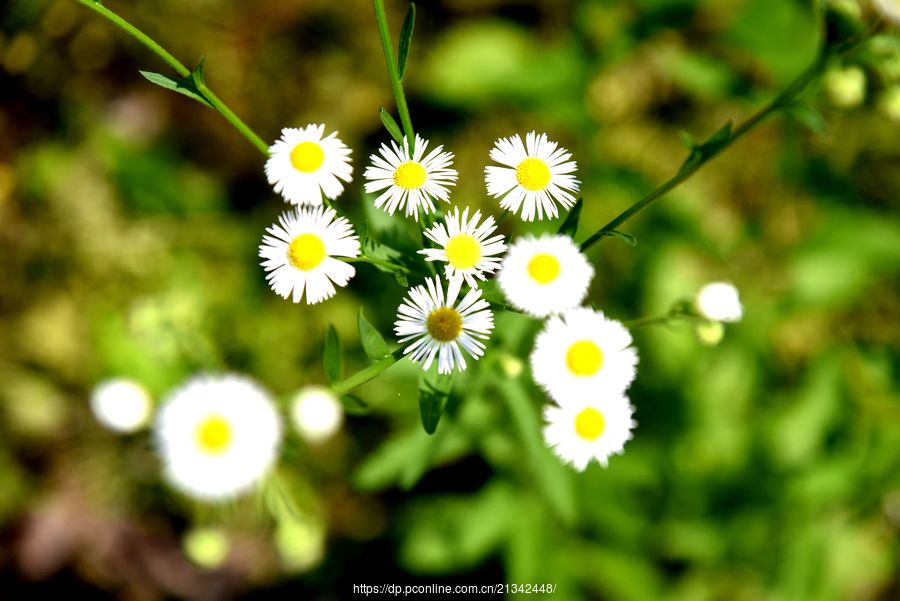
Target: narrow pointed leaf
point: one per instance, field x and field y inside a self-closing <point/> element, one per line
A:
<point x="391" y="126"/>
<point x="197" y="74"/>
<point x="354" y="405"/>
<point x="434" y="390"/>
<point x="176" y="85"/>
<point x="626" y="238"/>
<point x="406" y="34"/>
<point x="570" y="225"/>
<point x="372" y="341"/>
<point x="332" y="358"/>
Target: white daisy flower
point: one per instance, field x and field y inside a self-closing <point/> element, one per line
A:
<point x="410" y="182"/>
<point x="317" y="414"/>
<point x="466" y="247"/>
<point x="889" y="9"/>
<point x="589" y="429"/>
<point x="438" y="327"/>
<point x="121" y="405"/>
<point x="537" y="175"/>
<point x="217" y="436"/>
<point x="303" y="166"/>
<point x="300" y="253"/>
<point x="719" y="301"/>
<point x="545" y="275"/>
<point x="582" y="354"/>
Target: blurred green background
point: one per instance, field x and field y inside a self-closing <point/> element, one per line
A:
<point x="767" y="468"/>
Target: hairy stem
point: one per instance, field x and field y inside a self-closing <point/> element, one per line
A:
<point x="180" y="69"/>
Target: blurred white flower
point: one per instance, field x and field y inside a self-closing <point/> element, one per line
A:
<point x="889" y="9"/>
<point x="719" y="301"/>
<point x="466" y="247"/>
<point x="442" y="329"/>
<point x="121" y="405"/>
<point x="412" y="181"/>
<point x="317" y="413"/>
<point x="303" y="166"/>
<point x="217" y="436"/>
<point x="300" y="253"/>
<point x="535" y="176"/>
<point x="544" y="275"/>
<point x="582" y="354"/>
<point x="579" y="431"/>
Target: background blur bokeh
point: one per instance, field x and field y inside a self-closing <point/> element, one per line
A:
<point x="767" y="467"/>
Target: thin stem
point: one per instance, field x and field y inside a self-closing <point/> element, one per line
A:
<point x="361" y="377"/>
<point x="179" y="68"/>
<point x="787" y="96"/>
<point x="393" y="73"/>
<point x="380" y="262"/>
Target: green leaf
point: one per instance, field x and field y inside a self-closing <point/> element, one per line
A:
<point x="332" y="358"/>
<point x="570" y="225"/>
<point x="808" y="116"/>
<point x="197" y="74"/>
<point x="372" y="341"/>
<point x="401" y="279"/>
<point x="181" y="86"/>
<point x="391" y="125"/>
<point x="406" y="34"/>
<point x="354" y="405"/>
<point x="711" y="146"/>
<point x="626" y="238"/>
<point x="434" y="390"/>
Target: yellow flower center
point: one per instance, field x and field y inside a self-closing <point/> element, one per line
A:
<point x="214" y="435"/>
<point x="306" y="252"/>
<point x="444" y="324"/>
<point x="589" y="423"/>
<point x="533" y="174"/>
<point x="410" y="175"/>
<point x="307" y="157"/>
<point x="543" y="268"/>
<point x="584" y="358"/>
<point x="463" y="251"/>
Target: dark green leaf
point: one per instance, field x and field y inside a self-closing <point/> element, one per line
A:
<point x="185" y="87"/>
<point x="808" y="116"/>
<point x="391" y="126"/>
<point x="570" y="225"/>
<point x="401" y="279"/>
<point x="372" y="341"/>
<point x="354" y="405"/>
<point x="709" y="148"/>
<point x="434" y="390"/>
<point x="197" y="74"/>
<point x="332" y="358"/>
<point x="626" y="238"/>
<point x="406" y="38"/>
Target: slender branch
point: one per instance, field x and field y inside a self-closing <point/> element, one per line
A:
<point x="363" y="376"/>
<point x="179" y="68"/>
<point x="787" y="96"/>
<point x="393" y="73"/>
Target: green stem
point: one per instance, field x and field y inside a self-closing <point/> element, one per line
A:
<point x="393" y="73"/>
<point x="380" y="262"/>
<point x="361" y="377"/>
<point x="787" y="96"/>
<point x="179" y="68"/>
<point x="654" y="320"/>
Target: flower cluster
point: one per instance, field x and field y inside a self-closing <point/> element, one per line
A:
<point x="582" y="359"/>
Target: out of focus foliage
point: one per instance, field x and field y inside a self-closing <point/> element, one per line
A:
<point x="765" y="468"/>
